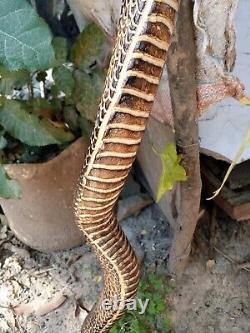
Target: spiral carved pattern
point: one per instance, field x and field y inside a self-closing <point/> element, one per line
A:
<point x="144" y="36"/>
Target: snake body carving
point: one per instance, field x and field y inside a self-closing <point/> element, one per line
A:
<point x="144" y="34"/>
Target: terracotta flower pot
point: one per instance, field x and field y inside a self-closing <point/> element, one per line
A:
<point x="43" y="217"/>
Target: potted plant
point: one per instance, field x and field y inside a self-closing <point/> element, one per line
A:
<point x="50" y="88"/>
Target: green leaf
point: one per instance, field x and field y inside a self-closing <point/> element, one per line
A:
<point x="114" y="330"/>
<point x="166" y="325"/>
<point x="9" y="189"/>
<point x="3" y="142"/>
<point x="61" y="50"/>
<point x="172" y="171"/>
<point x="64" y="80"/>
<point x="87" y="93"/>
<point x="88" y="46"/>
<point x="25" y="39"/>
<point x="157" y="315"/>
<point x="28" y="127"/>
<point x="10" y="80"/>
<point x="135" y="326"/>
<point x="71" y="117"/>
<point x="156" y="281"/>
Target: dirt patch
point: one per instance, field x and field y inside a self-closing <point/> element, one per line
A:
<point x="214" y="296"/>
<point x="61" y="286"/>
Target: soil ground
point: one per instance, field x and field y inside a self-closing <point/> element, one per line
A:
<point x="212" y="296"/>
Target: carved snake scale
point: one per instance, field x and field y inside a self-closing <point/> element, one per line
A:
<point x="144" y="36"/>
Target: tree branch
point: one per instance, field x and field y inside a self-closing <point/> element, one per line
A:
<point x="183" y="86"/>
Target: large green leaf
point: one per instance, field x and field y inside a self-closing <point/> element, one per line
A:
<point x="10" y="80"/>
<point x="61" y="50"/>
<point x="87" y="93"/>
<point x="172" y="171"/>
<point x="25" y="39"/>
<point x="9" y="188"/>
<point x="64" y="80"/>
<point x="88" y="46"/>
<point x="30" y="128"/>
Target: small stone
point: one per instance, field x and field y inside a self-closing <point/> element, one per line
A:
<point x="210" y="329"/>
<point x="132" y="206"/>
<point x="210" y="264"/>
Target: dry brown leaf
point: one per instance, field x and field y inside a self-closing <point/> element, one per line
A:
<point x="241" y="150"/>
<point x="245" y="100"/>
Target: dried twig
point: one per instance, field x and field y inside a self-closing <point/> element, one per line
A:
<point x="6" y="307"/>
<point x="245" y="265"/>
<point x="233" y="261"/>
<point x="212" y="232"/>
